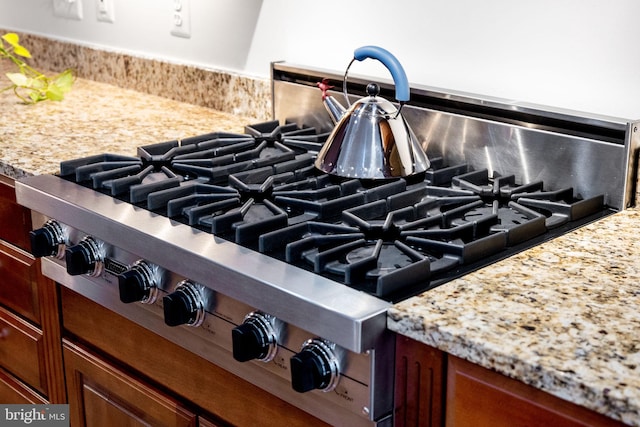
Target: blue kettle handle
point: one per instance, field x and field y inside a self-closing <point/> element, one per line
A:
<point x="393" y="65"/>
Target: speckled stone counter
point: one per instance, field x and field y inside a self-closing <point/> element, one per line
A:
<point x="563" y="317"/>
<point x="96" y="118"/>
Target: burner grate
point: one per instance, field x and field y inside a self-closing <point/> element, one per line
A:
<point x="261" y="190"/>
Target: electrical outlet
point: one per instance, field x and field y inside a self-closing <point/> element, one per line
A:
<point x="105" y="11"/>
<point x="70" y="9"/>
<point x="181" y="18"/>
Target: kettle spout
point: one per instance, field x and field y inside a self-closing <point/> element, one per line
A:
<point x="335" y="109"/>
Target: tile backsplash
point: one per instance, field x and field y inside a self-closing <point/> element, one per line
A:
<point x="227" y="92"/>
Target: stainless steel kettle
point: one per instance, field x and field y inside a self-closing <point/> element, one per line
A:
<point x="371" y="140"/>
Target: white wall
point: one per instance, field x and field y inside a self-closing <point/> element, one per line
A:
<point x="576" y="54"/>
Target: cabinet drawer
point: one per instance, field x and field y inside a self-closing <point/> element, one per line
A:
<point x="15" y="219"/>
<point x="102" y="395"/>
<point x="13" y="391"/>
<point x="19" y="273"/>
<point x="22" y="349"/>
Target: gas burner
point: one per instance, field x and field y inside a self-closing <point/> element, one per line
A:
<point x="289" y="134"/>
<point x="329" y="200"/>
<point x="481" y="184"/>
<point x="375" y="266"/>
<point x="516" y="220"/>
<point x="560" y="206"/>
<point x="120" y="175"/>
<point x="261" y="181"/>
<point x="192" y="201"/>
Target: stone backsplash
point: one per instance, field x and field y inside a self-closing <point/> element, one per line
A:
<point x="223" y="91"/>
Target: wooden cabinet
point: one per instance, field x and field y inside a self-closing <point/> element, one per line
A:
<point x="435" y="389"/>
<point x="30" y="350"/>
<point x="172" y="369"/>
<point x="101" y="395"/>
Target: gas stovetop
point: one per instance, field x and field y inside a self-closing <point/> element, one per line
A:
<point x="283" y="275"/>
<point x="389" y="238"/>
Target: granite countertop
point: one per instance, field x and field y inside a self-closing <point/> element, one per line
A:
<point x="96" y="118"/>
<point x="563" y="317"/>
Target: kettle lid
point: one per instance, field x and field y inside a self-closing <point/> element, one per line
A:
<point x="374" y="105"/>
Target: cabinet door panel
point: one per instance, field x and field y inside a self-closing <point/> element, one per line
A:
<point x="21" y="345"/>
<point x="478" y="397"/>
<point x="102" y="395"/>
<point x="18" y="282"/>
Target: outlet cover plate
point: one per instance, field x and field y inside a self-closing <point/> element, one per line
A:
<point x="105" y="11"/>
<point x="181" y="14"/>
<point x="70" y="9"/>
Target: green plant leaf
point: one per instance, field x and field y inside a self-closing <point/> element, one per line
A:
<point x="11" y="38"/>
<point x="64" y="81"/>
<point x="19" y="50"/>
<point x="54" y="93"/>
<point x="14" y="40"/>
<point x="18" y="79"/>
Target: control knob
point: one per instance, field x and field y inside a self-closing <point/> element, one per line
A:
<point x="49" y="240"/>
<point x="87" y="257"/>
<point x="315" y="367"/>
<point x="139" y="283"/>
<point x="185" y="306"/>
<point x="255" y="338"/>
